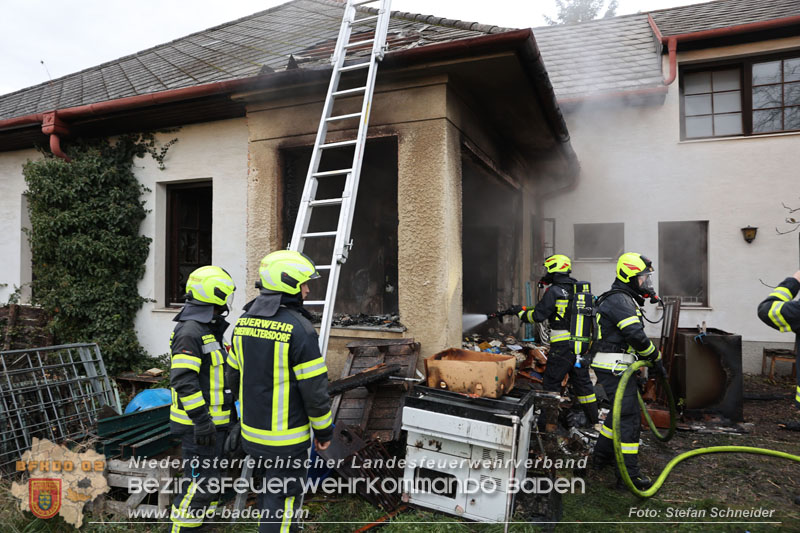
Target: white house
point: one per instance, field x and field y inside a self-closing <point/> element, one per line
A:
<point x="684" y="122"/>
<point x="681" y="145"/>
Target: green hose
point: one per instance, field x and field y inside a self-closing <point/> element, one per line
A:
<point x="615" y="421"/>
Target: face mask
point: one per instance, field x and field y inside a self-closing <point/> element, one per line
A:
<point x="646" y="285"/>
<point x="547" y="279"/>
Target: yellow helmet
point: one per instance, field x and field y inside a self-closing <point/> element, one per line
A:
<point x="285" y="271"/>
<point x="210" y="284"/>
<point x="558" y="263"/>
<point x="631" y="265"/>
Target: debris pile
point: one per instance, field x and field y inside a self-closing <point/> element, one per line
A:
<point x="531" y="358"/>
<point x="361" y="319"/>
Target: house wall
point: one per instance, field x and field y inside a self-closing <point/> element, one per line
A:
<point x="14" y="248"/>
<point x="636" y="170"/>
<point x="216" y="151"/>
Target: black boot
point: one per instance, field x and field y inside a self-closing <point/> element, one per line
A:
<point x="640" y="481"/>
<point x="590" y="409"/>
<point x="600" y="461"/>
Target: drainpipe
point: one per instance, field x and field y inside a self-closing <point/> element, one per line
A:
<point x="672" y="40"/>
<point x="53" y="126"/>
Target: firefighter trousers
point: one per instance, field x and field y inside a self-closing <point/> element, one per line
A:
<point x="280" y="492"/>
<point x="630" y="425"/>
<point x="560" y="362"/>
<point x="196" y="501"/>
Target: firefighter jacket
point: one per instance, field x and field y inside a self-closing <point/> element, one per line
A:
<point x="197" y="374"/>
<point x="554" y="307"/>
<point x="620" y="328"/>
<point x="780" y="312"/>
<point x="282" y="381"/>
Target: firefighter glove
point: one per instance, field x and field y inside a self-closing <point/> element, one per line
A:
<point x="514" y="310"/>
<point x="658" y="369"/>
<point x="233" y="444"/>
<point x="205" y="433"/>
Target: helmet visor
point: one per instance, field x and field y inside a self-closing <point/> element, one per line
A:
<point x="646" y="283"/>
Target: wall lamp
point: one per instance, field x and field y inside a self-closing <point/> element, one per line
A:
<point x="749" y="234"/>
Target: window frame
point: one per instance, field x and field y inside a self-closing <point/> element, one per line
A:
<point x="745" y="65"/>
<point x="172" y="263"/>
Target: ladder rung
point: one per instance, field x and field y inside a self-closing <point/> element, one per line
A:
<point x="314" y="302"/>
<point x="365" y="19"/>
<point x="354" y="67"/>
<point x="323" y="267"/>
<point x="362" y="2"/>
<point x="359" y="43"/>
<point x="326" y="201"/>
<point x="340" y="143"/>
<point x="342" y="117"/>
<point x="357" y="90"/>
<point x="327" y="173"/>
<point x="319" y="234"/>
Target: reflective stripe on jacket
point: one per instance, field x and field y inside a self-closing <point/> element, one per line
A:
<point x="197" y="376"/>
<point x="619" y="322"/>
<point x="283" y="382"/>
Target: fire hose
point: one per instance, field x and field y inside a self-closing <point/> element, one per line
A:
<point x="662" y="477"/>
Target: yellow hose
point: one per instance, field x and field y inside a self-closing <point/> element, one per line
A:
<point x="615" y="421"/>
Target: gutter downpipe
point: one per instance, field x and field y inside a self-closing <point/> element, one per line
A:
<point x="672" y="40"/>
<point x="54" y="125"/>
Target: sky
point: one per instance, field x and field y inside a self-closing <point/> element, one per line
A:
<point x="71" y="35"/>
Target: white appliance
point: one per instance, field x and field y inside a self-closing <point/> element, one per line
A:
<point x="458" y="447"/>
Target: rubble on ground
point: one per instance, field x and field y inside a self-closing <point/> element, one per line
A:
<point x="382" y="321"/>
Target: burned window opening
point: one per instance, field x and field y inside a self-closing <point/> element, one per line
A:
<point x="368" y="281"/>
<point x="683" y="262"/>
<point x="491" y="234"/>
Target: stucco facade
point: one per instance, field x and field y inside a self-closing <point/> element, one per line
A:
<point x="636" y="170"/>
<point x="215" y="151"/>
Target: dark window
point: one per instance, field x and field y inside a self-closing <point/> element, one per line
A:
<point x="368" y="280"/>
<point x="599" y="241"/>
<point x="683" y="262"/>
<point x="188" y="234"/>
<point x="743" y="97"/>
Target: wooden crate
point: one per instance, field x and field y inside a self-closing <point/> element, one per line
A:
<point x="376" y="410"/>
<point x="118" y="474"/>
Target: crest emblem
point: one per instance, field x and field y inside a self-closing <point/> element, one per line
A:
<point x="44" y="496"/>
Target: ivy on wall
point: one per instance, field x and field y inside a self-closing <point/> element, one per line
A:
<point x="88" y="255"/>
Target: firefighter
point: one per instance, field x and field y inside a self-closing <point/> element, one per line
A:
<point x="201" y="403"/>
<point x="282" y="384"/>
<point x="554" y="307"/>
<point x="621" y="340"/>
<point x="780" y="312"/>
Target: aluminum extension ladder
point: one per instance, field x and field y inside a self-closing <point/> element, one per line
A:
<point x="347" y="200"/>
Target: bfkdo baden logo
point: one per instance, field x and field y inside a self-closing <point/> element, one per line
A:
<point x="45" y="497"/>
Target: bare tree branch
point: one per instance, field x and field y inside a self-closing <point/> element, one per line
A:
<point x="789" y="208"/>
<point x="779" y="232"/>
